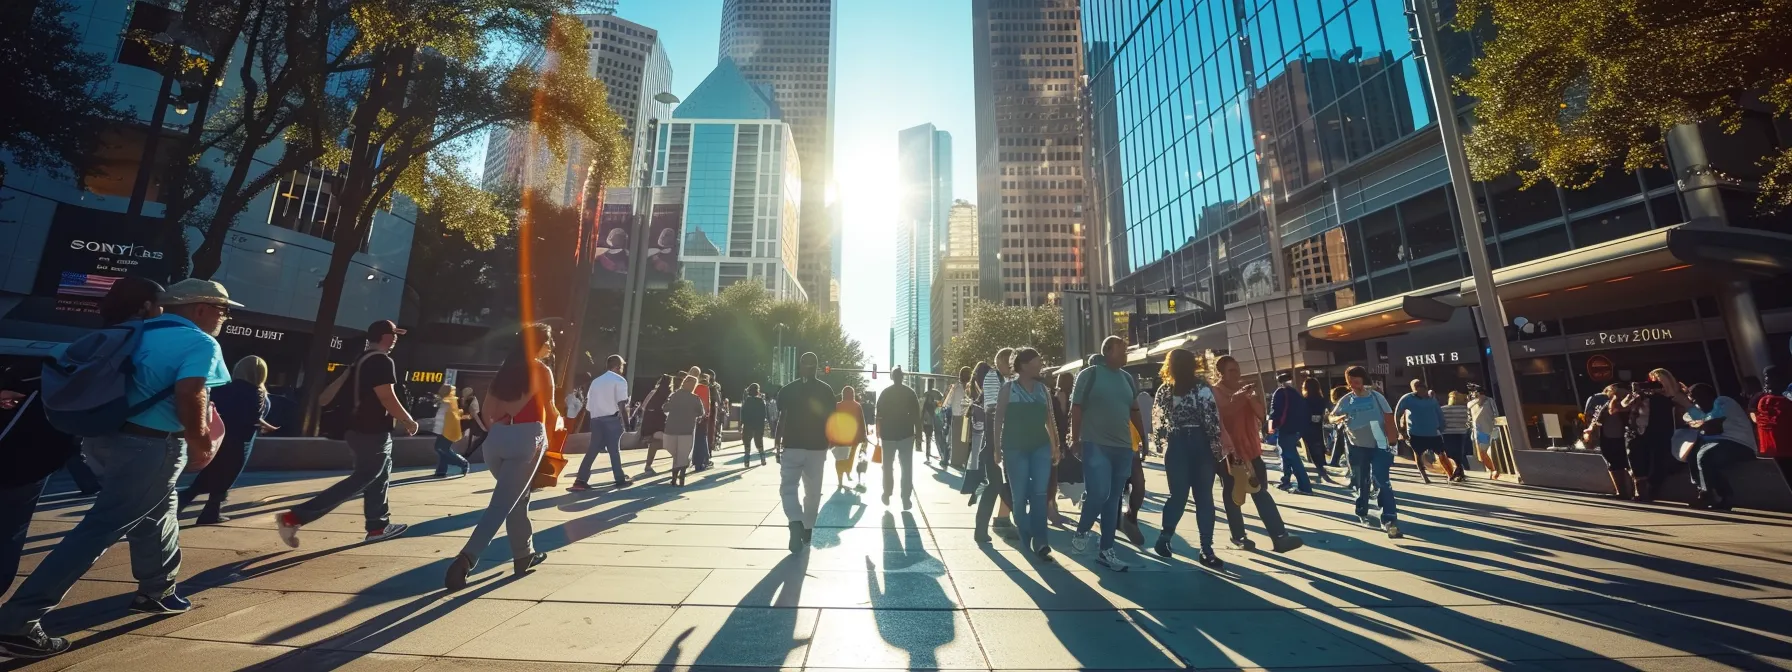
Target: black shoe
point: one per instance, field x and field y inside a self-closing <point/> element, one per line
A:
<point x="184" y="499"/>
<point x="624" y="483"/>
<point x="521" y="566"/>
<point x="1286" y="543"/>
<point x="982" y="537"/>
<point x="1163" y="546"/>
<point x="1131" y="529"/>
<point x="33" y="644"/>
<point x="797" y="536"/>
<point x="172" y="604"/>
<point x="441" y="474"/>
<point x="1209" y="560"/>
<point x="212" y="519"/>
<point x="456" y="578"/>
<point x="808" y="536"/>
<point x="1244" y="544"/>
<point x="1044" y="554"/>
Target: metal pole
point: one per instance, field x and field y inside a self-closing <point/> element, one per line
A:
<point x="1487" y="298"/>
<point x="638" y="262"/>
<point x="146" y="166"/>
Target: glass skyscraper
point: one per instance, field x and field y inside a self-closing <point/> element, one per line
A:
<point x="736" y="163"/>
<point x="1277" y="166"/>
<point x="924" y="199"/>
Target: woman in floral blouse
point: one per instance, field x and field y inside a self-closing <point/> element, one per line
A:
<point x="1187" y="434"/>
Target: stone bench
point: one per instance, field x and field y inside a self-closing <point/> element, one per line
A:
<point x="1758" y="484"/>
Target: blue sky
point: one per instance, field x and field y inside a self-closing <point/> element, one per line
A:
<point x="900" y="64"/>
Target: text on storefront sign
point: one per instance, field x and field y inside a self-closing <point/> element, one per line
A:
<point x="1433" y="358"/>
<point x="1628" y="336"/>
<point x="423" y="376"/>
<point x="252" y="332"/>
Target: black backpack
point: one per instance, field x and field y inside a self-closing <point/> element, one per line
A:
<point x="338" y="410"/>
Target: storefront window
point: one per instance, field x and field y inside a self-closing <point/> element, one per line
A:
<point x="1437" y="272"/>
<point x="1610" y="225"/>
<point x="1615" y="184"/>
<point x="1546" y="388"/>
<point x="1428" y="225"/>
<point x="1551" y="240"/>
<point x="1381" y="240"/>
<point x="1515" y="208"/>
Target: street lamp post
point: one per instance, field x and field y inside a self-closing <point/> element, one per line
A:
<point x="1487" y="298"/>
<point x="634" y="290"/>
<point x="778" y="356"/>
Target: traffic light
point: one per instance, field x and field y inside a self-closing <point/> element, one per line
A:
<point x="827" y="369"/>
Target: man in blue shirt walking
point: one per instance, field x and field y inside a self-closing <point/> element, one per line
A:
<point x="1421" y="423"/>
<point x="1289" y="419"/>
<point x="138" y="467"/>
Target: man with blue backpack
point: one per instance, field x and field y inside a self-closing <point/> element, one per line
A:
<point x="137" y="394"/>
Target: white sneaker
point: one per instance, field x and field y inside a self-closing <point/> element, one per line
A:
<point x="1111" y="560"/>
<point x="289" y="531"/>
<point x="391" y="530"/>
<point x="1079" y="542"/>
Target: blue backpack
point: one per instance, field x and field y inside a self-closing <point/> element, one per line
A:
<point x="85" y="388"/>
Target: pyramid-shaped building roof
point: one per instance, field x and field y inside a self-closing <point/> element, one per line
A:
<point x="726" y="94"/>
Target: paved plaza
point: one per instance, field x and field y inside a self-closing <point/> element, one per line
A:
<point x="1489" y="575"/>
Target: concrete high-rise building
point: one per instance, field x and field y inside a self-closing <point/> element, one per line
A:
<point x="632" y="63"/>
<point x="736" y="163"/>
<point x="789" y="44"/>
<point x="1030" y="184"/>
<point x="955" y="280"/>
<point x="924" y="197"/>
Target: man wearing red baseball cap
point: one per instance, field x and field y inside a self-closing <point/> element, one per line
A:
<point x="369" y="437"/>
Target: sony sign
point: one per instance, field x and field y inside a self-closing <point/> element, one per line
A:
<point x="116" y="249"/>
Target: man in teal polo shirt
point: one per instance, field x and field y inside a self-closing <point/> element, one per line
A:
<point x="138" y="466"/>
<point x="1101" y="408"/>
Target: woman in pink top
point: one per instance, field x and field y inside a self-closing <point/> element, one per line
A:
<point x="1241" y="440"/>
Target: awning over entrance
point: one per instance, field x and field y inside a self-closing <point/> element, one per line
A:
<point x="1385" y="317"/>
<point x="1209" y="337"/>
<point x="1647" y="266"/>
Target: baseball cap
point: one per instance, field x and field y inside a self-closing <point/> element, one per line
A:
<point x="383" y="327"/>
<point x="194" y="290"/>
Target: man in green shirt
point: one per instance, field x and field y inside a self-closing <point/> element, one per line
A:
<point x="1102" y="416"/>
<point x="803" y="406"/>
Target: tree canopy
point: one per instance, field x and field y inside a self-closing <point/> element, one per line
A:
<point x="53" y="113"/>
<point x="735" y="333"/>
<point x="992" y="326"/>
<point x="1570" y="87"/>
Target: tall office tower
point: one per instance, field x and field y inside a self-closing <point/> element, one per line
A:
<point x="924" y="188"/>
<point x="789" y="44"/>
<point x="726" y="148"/>
<point x="1030" y="183"/>
<point x="632" y="63"/>
<point x="954" y="280"/>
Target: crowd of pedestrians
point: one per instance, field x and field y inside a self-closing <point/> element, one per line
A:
<point x="1019" y="439"/>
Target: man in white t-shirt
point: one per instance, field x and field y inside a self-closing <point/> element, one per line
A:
<point x="607" y="404"/>
<point x="1369" y="427"/>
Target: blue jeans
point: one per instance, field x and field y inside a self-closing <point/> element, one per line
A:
<point x="606" y="435"/>
<point x="16" y="506"/>
<point x="700" y="450"/>
<point x="1288" y="446"/>
<point x="371" y="479"/>
<point x="1189" y="464"/>
<point x="1029" y="471"/>
<point x="85" y="479"/>
<point x="1105" y="472"/>
<point x="1340" y="446"/>
<point x="445" y="456"/>
<point x="1710" y="460"/>
<point x="1368" y="464"/>
<point x="136" y="501"/>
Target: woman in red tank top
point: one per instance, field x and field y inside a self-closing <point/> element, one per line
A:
<point x="519" y="416"/>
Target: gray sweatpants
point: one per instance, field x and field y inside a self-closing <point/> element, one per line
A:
<point x="806" y="466"/>
<point x="512" y="454"/>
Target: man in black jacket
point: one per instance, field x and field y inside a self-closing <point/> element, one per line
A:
<point x="31" y="451"/>
<point x="898" y="421"/>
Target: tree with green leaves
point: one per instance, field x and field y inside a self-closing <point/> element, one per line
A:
<point x="990" y="326"/>
<point x="54" y="112"/>
<point x="1569" y="87"/>
<point x="440" y="73"/>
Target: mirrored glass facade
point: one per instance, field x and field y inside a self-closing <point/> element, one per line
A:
<point x="1204" y="107"/>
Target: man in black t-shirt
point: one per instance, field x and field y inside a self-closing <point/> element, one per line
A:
<point x="803" y="406"/>
<point x="375" y="412"/>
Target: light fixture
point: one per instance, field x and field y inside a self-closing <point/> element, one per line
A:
<point x="369" y="276"/>
<point x="269" y="250"/>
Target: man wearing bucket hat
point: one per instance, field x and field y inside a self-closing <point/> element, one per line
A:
<point x="176" y="361"/>
<point x="376" y="413"/>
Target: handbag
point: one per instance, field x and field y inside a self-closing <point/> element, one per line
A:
<point x="1244" y="481"/>
<point x="877" y="453"/>
<point x="1685" y="441"/>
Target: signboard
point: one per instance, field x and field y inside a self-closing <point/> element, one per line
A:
<point x="1430" y="358"/>
<point x="424" y="376"/>
<point x="1599" y="368"/>
<point x="1638" y="336"/>
<point x="614" y="226"/>
<point x="87" y="250"/>
<point x="247" y="331"/>
<point x="662" y="244"/>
